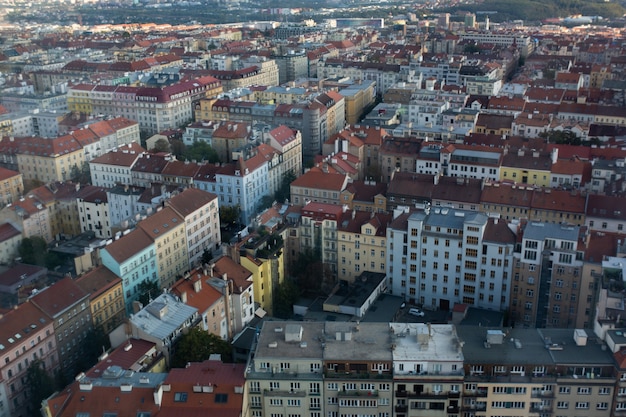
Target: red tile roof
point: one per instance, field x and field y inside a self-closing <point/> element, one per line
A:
<point x="59" y="296"/>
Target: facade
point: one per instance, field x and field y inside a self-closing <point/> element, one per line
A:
<point x="155" y="108"/>
<point x="93" y="211"/>
<point x="167" y="231"/>
<point x="49" y="160"/>
<point x="547" y="276"/>
<point x="30" y="217"/>
<point x="106" y="298"/>
<point x="132" y="257"/>
<point x="362" y="244"/>
<point x="27" y="335"/>
<point x="67" y="306"/>
<point x="11" y="186"/>
<point x="441" y="257"/>
<point x="317" y="186"/>
<point x="114" y="167"/>
<point x="200" y="212"/>
<point x="10" y="239"/>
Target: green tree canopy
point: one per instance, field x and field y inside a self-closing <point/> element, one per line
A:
<point x="197" y="346"/>
<point x="200" y="151"/>
<point x="40" y="385"/>
<point x="148" y="290"/>
<point x="287" y="294"/>
<point x="33" y="250"/>
<point x="229" y="215"/>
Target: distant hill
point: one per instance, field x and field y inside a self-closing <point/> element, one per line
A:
<point x="537" y="10"/>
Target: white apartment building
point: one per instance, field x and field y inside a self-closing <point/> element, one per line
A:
<point x="441" y="257"/>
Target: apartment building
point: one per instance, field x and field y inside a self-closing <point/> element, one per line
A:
<point x="10" y="239"/>
<point x="11" y="186"/>
<point x="200" y="212"/>
<point x="30" y="217"/>
<point x="106" y="298"/>
<point x="318" y="186"/>
<point x="428" y="372"/>
<point x="132" y="257"/>
<point x="154" y="108"/>
<point x="525" y="372"/>
<point x="26" y="337"/>
<point x="67" y="306"/>
<point x="547" y="276"/>
<point x="318" y="230"/>
<point x="361" y="244"/>
<point x="93" y="211"/>
<point x="49" y="160"/>
<point x="166" y="229"/>
<point x="211" y="304"/>
<point x="442" y="256"/>
<point x="114" y="167"/>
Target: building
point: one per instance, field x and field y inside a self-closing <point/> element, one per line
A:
<point x="547" y="276"/>
<point x="49" y="160"/>
<point x="318" y="186"/>
<point x="163" y="321"/>
<point x="11" y="186"/>
<point x="67" y="306"/>
<point x="114" y="167"/>
<point x="10" y="239"/>
<point x="361" y="244"/>
<point x="193" y="289"/>
<point x="155" y="108"/>
<point x="167" y="231"/>
<point x="30" y="217"/>
<point x="93" y="211"/>
<point x="26" y="336"/>
<point x="439" y="257"/>
<point x="200" y="212"/>
<point x="106" y="298"/>
<point x="132" y="257"/>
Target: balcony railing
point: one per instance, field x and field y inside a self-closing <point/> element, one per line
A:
<point x="358" y="393"/>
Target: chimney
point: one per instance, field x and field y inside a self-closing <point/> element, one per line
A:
<point x="197" y="284"/>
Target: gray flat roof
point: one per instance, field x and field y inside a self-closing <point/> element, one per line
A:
<point x="540" y="231"/>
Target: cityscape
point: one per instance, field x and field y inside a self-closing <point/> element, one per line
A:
<point x="312" y="209"/>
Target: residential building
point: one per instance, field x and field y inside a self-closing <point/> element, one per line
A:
<point x="526" y="167"/>
<point x="547" y="276"/>
<point x="605" y="213"/>
<point x="228" y="137"/>
<point x="123" y="204"/>
<point x="30" y="217"/>
<point x="160" y="107"/>
<point x="10" y="239"/>
<point x="106" y="298"/>
<point x="66" y="305"/>
<point x="194" y="290"/>
<point x="93" y="211"/>
<point x="427" y="366"/>
<point x="200" y="212"/>
<point x="11" y="186"/>
<point x="367" y="196"/>
<point x="167" y="230"/>
<point x="288" y="142"/>
<point x="26" y="337"/>
<point x="318" y="186"/>
<point x="361" y="244"/>
<point x="441" y="257"/>
<point x="235" y="282"/>
<point x="163" y="321"/>
<point x="540" y="371"/>
<point x="133" y="258"/>
<point x="49" y="160"/>
<point x="114" y="167"/>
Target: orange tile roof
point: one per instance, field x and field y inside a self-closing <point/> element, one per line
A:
<point x="321" y="180"/>
<point x="59" y="296"/>
<point x="128" y="245"/>
<point x="190" y="200"/>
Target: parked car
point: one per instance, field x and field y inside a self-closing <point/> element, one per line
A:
<point x="416" y="312"/>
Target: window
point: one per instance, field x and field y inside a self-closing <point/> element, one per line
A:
<point x="180" y="397"/>
<point x="604" y="391"/>
<point x="562" y="404"/>
<point x="582" y="405"/>
<point x="602" y="406"/>
<point x="584" y="390"/>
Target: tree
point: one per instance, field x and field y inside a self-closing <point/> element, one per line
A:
<point x="287" y="293"/>
<point x="284" y="192"/>
<point x="308" y="271"/>
<point x="148" y="290"/>
<point x="40" y="385"/>
<point x="201" y="151"/>
<point x="82" y="174"/>
<point x="197" y="346"/>
<point x="33" y="250"/>
<point x="206" y="256"/>
<point x="229" y="215"/>
<point x="95" y="344"/>
<point x="161" y="145"/>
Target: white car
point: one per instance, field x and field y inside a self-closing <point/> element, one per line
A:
<point x="416" y="312"/>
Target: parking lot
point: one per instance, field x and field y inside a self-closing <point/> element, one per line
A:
<point x="435" y="317"/>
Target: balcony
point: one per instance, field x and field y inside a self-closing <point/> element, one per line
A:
<point x="358" y="393"/>
<point x="542" y="394"/>
<point x="482" y="392"/>
<point x="401" y="408"/>
<point x="401" y="394"/>
<point x="452" y="409"/>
